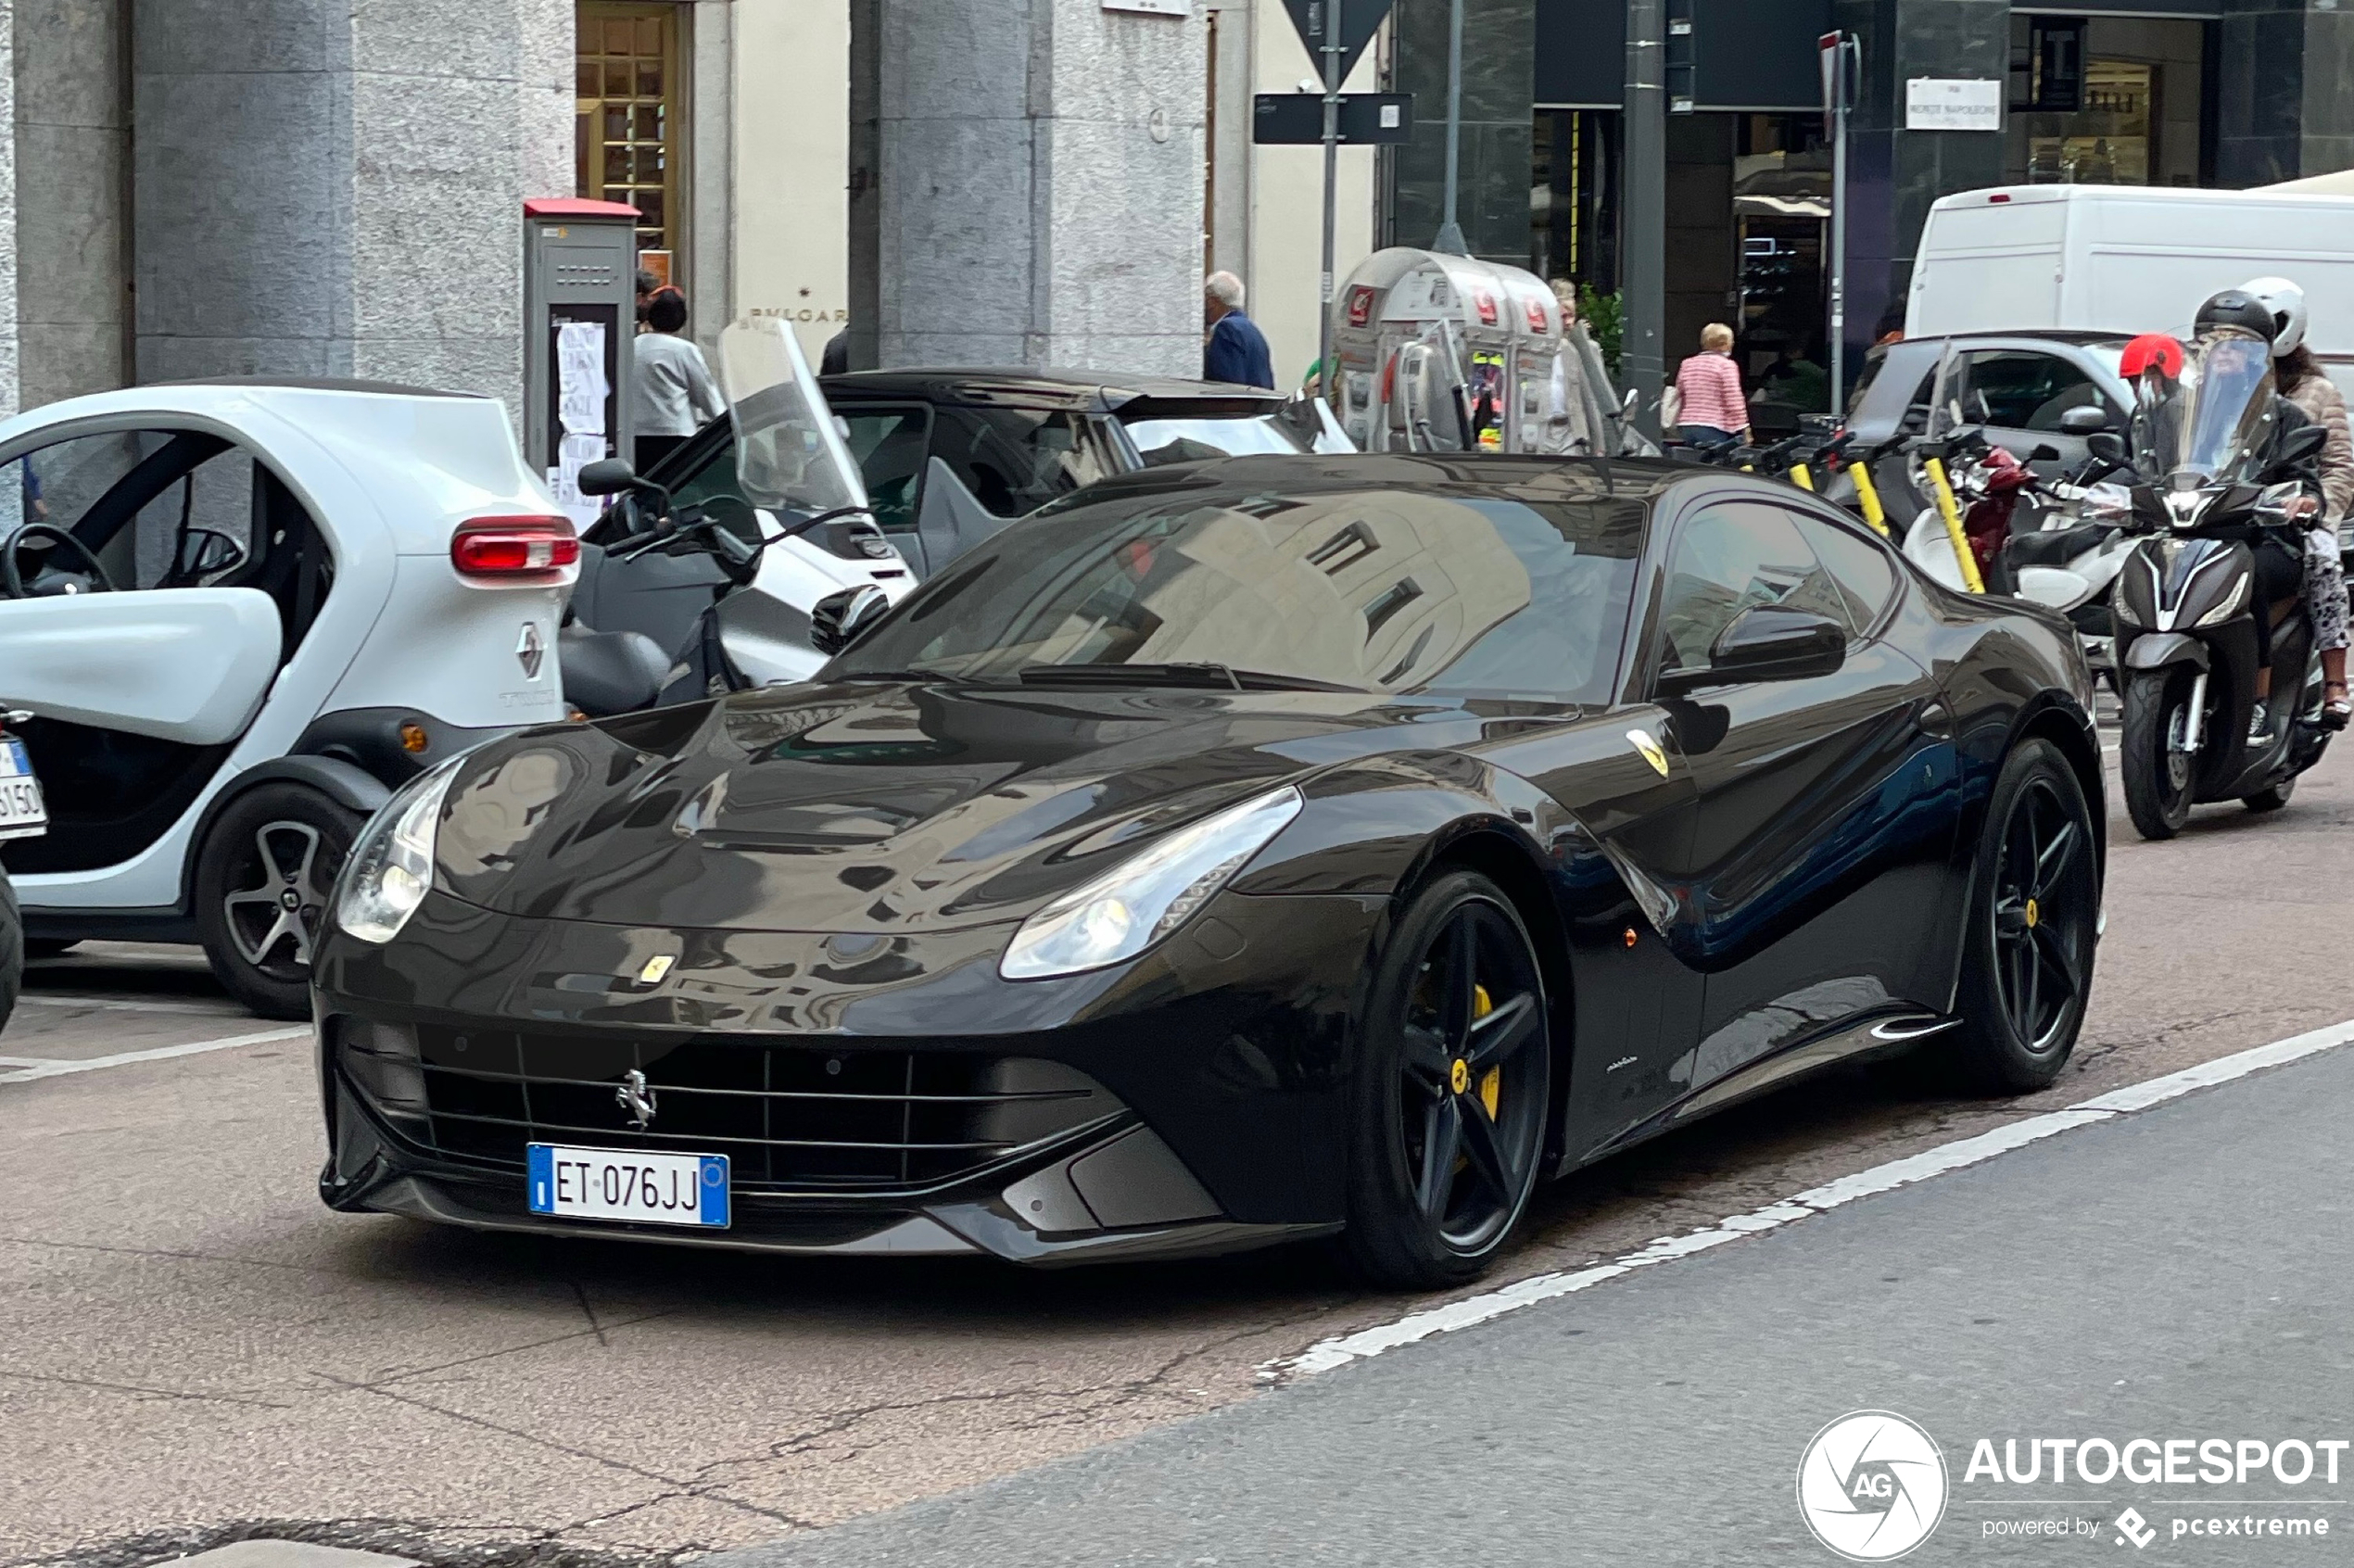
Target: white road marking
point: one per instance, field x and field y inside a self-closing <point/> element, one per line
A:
<point x="1364" y="1343"/>
<point x="108" y="1004"/>
<point x="54" y="1068"/>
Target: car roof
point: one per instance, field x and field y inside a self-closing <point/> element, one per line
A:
<point x="1510" y="476"/>
<point x="319" y="384"/>
<point x="2079" y="336"/>
<point x="1094" y="391"/>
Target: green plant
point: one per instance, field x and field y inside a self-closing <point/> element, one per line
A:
<point x="1604" y="315"/>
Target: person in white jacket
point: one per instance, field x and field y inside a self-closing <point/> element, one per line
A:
<point x="674" y="394"/>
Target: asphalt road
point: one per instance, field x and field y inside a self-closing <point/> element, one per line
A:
<point x="1661" y="1419"/>
<point x="190" y="1346"/>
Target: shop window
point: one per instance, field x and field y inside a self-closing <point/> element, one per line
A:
<point x="627" y="131"/>
<point x="1574" y="205"/>
<point x="2104" y="100"/>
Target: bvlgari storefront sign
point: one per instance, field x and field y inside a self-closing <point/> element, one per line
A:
<point x="1943" y="103"/>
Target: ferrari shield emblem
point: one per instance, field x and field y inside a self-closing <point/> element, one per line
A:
<point x="1642" y="740"/>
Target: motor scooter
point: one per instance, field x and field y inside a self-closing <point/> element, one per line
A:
<point x="714" y="591"/>
<point x="2215" y="479"/>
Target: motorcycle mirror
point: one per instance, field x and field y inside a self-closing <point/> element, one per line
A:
<point x="607" y="476"/>
<point x="840" y="619"/>
<point x="2110" y="447"/>
<point x="2044" y="452"/>
<point x="1627" y="404"/>
<point x="2085" y="420"/>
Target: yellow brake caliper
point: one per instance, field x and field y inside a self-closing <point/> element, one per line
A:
<point x="1491" y="1087"/>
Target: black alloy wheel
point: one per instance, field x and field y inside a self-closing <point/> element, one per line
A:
<point x="1452" y="1090"/>
<point x="2160" y="777"/>
<point x="262" y="882"/>
<point x="2034" y="925"/>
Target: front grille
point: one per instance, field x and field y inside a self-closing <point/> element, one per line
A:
<point x="791" y="1118"/>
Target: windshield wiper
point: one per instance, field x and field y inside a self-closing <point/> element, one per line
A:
<point x="939" y="677"/>
<point x="1212" y="678"/>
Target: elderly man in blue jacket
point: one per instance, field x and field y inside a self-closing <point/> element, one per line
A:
<point x="1235" y="350"/>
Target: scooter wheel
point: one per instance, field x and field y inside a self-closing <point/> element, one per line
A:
<point x="2160" y="782"/>
<point x="261" y="883"/>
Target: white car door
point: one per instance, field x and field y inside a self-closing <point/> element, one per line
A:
<point x="186" y="665"/>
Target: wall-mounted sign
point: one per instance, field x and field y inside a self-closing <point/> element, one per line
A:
<point x="1944" y="103"/>
<point x="1153" y="7"/>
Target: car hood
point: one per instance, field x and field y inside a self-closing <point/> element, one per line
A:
<point x="880" y="807"/>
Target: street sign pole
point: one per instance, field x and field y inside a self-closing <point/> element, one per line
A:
<point x="1838" y="53"/>
<point x="1642" y="355"/>
<point x="1450" y="233"/>
<point x="1333" y="68"/>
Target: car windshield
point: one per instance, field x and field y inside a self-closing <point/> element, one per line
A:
<point x="1456" y="589"/>
<point x="1189" y="440"/>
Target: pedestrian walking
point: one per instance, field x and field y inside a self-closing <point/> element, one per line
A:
<point x="673" y="392"/>
<point x="1710" y="410"/>
<point x="1235" y="350"/>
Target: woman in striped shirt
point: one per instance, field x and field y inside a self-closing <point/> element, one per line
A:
<point x="1708" y="386"/>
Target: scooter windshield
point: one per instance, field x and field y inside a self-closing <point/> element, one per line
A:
<point x="2224" y="409"/>
<point x="789" y="456"/>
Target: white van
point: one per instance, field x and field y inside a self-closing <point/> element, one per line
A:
<point x="2129" y="258"/>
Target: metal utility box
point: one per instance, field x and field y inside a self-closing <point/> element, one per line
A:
<point x="1444" y="354"/>
<point x="579" y="293"/>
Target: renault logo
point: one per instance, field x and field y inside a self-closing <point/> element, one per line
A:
<point x="636" y="1097"/>
<point x="529" y="650"/>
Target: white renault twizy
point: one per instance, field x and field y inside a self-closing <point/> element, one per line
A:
<point x="241" y="613"/>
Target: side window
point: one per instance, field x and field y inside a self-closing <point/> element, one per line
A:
<point x="1859" y="569"/>
<point x="2018" y="389"/>
<point x="170" y="509"/>
<point x="1015" y="460"/>
<point x="890" y="446"/>
<point x="1733" y="556"/>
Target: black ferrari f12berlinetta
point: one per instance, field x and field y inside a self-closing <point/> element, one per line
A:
<point x="1232" y="853"/>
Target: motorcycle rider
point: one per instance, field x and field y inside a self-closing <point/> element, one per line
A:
<point x="2302" y="381"/>
<point x="2279" y="571"/>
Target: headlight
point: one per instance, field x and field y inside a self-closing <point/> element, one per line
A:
<point x="1146" y="896"/>
<point x="391" y="867"/>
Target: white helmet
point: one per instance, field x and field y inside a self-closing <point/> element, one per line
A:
<point x="2287" y="301"/>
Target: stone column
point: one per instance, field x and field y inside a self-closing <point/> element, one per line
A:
<point x="335" y="187"/>
<point x="1026" y="185"/>
<point x="2284" y="90"/>
<point x="9" y="511"/>
<point x="73" y="138"/>
<point x="1499" y="137"/>
<point x="1894" y="174"/>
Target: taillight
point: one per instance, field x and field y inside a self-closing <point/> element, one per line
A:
<point x="509" y="546"/>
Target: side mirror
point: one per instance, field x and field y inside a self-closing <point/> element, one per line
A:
<point x="607" y="476"/>
<point x="2110" y="447"/>
<point x="2086" y="419"/>
<point x="840" y="619"/>
<point x="1627" y="404"/>
<point x="1766" y="642"/>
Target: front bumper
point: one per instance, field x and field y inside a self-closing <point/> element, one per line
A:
<point x="1210" y="1120"/>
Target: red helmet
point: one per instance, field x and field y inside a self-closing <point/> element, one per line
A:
<point x="2151" y="350"/>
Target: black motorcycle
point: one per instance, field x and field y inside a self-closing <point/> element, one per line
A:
<point x="2217" y="478"/>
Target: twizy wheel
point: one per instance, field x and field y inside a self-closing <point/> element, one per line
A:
<point x="1453" y="1089"/>
<point x="2027" y="955"/>
<point x="261" y="885"/>
<point x="2159" y="777"/>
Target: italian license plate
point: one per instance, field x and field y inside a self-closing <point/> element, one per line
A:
<point x="22" y="811"/>
<point x="654" y="1189"/>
